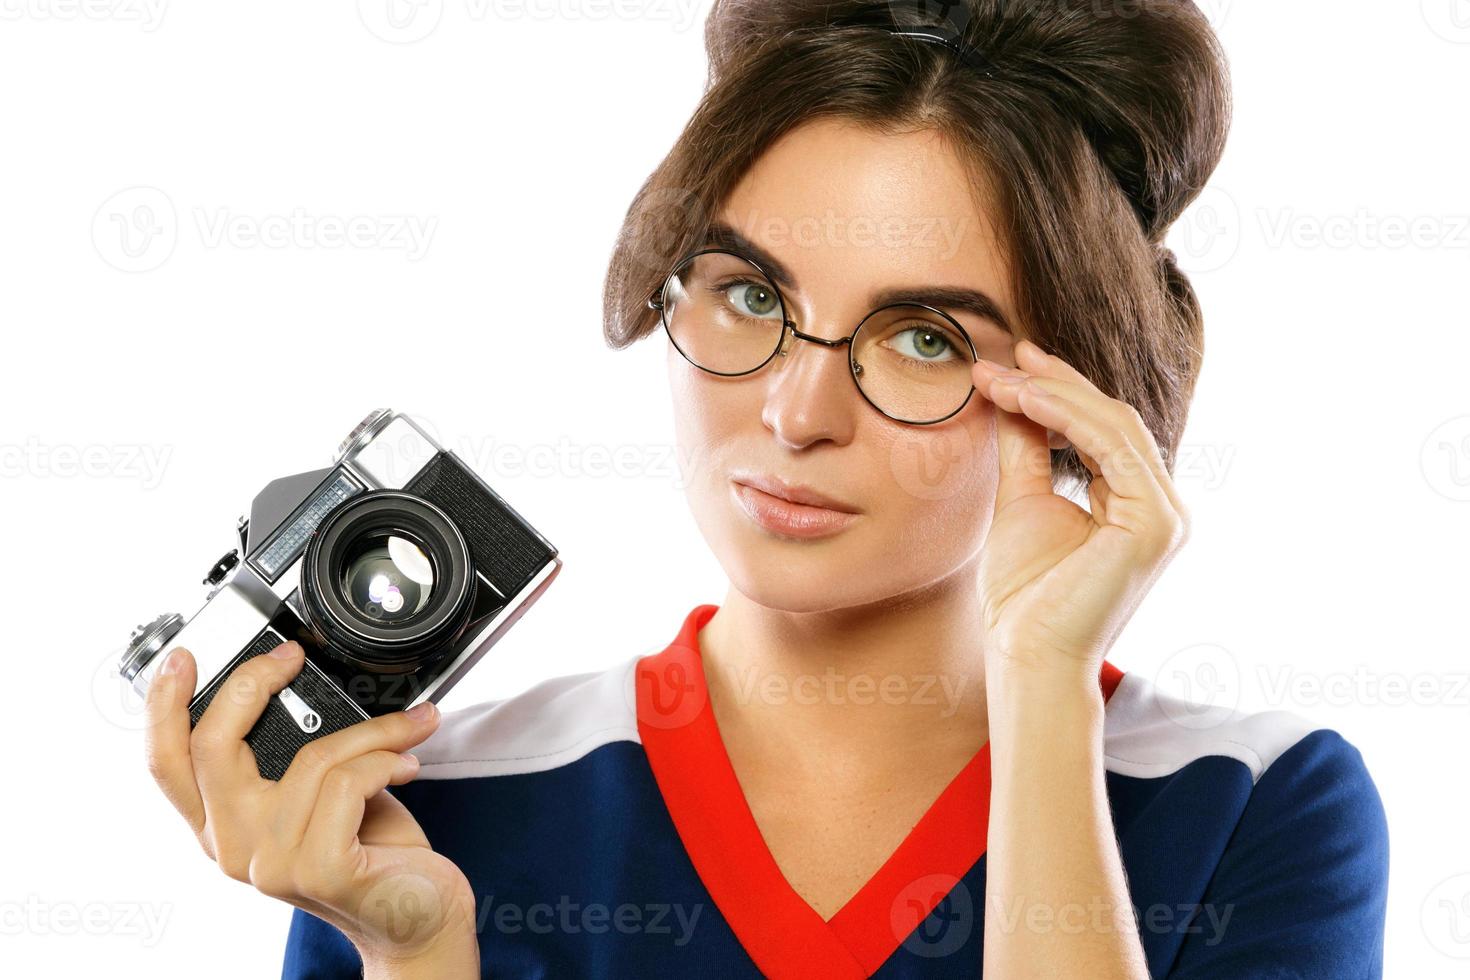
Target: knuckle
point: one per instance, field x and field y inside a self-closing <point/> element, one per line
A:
<point x="311" y="758"/>
<point x="205" y="743"/>
<point x="271" y="876"/>
<point x="1128" y="414"/>
<point x="233" y="860"/>
<point x="339" y="782"/>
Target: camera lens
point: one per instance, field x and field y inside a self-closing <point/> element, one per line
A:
<point x="390" y="580"/>
<point x="386" y="582"/>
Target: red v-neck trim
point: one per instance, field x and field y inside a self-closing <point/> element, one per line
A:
<point x="782" y="933"/>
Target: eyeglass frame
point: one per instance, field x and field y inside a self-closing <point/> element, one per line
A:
<point x="788" y="327"/>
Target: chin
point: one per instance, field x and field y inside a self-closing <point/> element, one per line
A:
<point x="793" y="575"/>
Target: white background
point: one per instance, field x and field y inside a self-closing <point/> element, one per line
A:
<point x="149" y="391"/>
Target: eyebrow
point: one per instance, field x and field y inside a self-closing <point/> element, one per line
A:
<point x="962" y="298"/>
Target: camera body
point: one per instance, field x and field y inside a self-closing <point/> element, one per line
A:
<point x="396" y="568"/>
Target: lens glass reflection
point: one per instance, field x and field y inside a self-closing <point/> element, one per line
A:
<point x="389" y="580"/>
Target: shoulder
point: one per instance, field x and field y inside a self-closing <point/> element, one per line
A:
<point x="1299" y="783"/>
<point x="1151" y="733"/>
<point x="552" y="724"/>
<point x="1272" y="818"/>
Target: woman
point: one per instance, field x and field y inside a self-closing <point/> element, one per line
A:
<point x="912" y="279"/>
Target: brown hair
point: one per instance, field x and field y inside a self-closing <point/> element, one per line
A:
<point x="1101" y="122"/>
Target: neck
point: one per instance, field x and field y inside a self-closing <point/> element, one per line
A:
<point x="871" y="682"/>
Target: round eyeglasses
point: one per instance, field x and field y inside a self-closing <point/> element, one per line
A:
<point x="724" y="314"/>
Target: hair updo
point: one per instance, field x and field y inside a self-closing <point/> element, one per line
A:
<point x="1096" y="128"/>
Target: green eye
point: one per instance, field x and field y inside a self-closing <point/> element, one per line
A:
<point x="924" y="344"/>
<point x="753" y="298"/>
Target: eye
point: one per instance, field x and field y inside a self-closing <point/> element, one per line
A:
<point x="923" y="343"/>
<point x="755" y="299"/>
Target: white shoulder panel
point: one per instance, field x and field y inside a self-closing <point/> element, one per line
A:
<point x="1150" y="733"/>
<point x="554" y="723"/>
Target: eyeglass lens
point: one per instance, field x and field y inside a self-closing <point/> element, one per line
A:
<point x="725" y="316"/>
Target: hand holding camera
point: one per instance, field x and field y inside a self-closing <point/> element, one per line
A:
<point x="391" y="573"/>
<point x="326" y="837"/>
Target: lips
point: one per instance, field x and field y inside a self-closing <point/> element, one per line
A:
<point x="794" y="492"/>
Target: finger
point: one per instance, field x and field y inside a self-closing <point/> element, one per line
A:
<point x="1034" y="360"/>
<point x="166" y="739"/>
<point x="221" y="757"/>
<point x="339" y="809"/>
<point x="1140" y="504"/>
<point x="1082" y="392"/>
<point x="1023" y="454"/>
<point x="301" y="784"/>
<point x="387" y="822"/>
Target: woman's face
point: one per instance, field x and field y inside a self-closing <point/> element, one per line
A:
<point x="849" y="214"/>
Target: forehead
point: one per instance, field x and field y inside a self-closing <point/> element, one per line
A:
<point x="843" y="205"/>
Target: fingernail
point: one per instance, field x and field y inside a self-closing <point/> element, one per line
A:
<point x="421" y="712"/>
<point x="286" y="650"/>
<point x="409" y="764"/>
<point x="1010" y="379"/>
<point x="172" y="662"/>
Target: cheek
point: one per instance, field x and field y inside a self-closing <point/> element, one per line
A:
<point x="709" y="415"/>
<point x="947" y="472"/>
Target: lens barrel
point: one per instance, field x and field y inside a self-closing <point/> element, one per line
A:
<point x="371" y="637"/>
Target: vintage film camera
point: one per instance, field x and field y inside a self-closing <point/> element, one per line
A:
<point x="396" y="568"/>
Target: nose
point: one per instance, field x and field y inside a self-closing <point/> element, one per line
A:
<point x="810" y="395"/>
